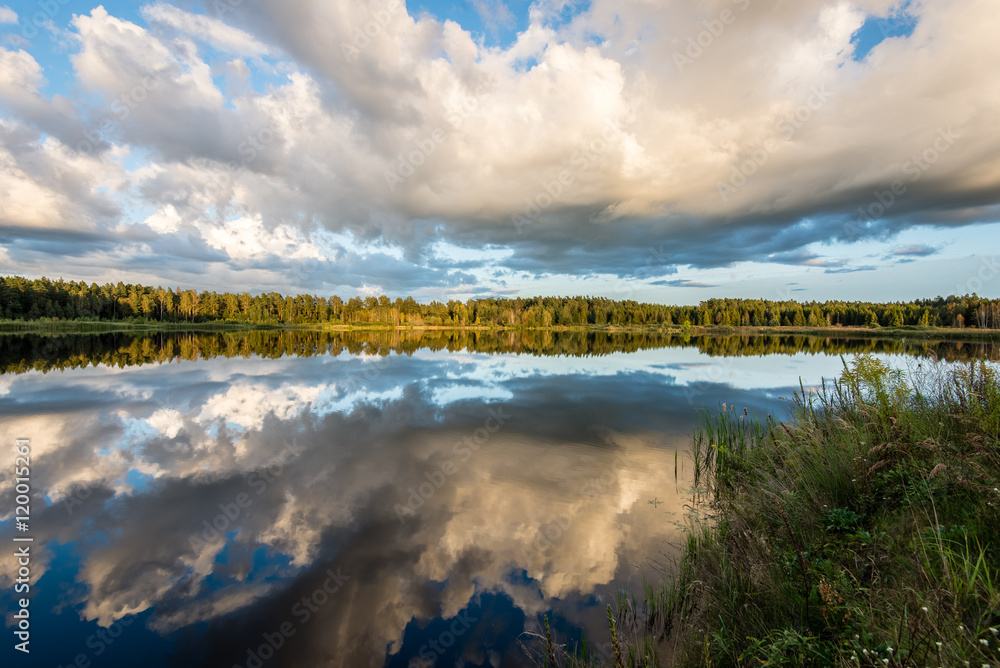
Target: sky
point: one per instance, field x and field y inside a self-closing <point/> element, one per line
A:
<point x="665" y="151"/>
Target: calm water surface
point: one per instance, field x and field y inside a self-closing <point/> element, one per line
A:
<point x="305" y="499"/>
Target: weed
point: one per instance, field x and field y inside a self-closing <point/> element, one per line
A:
<point x="864" y="531"/>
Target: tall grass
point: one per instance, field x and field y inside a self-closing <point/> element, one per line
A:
<point x="721" y="442"/>
<point x="863" y="531"/>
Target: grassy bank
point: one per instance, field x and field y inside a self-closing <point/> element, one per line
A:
<point x="863" y="532"/>
<point x="131" y="327"/>
<point x="139" y="325"/>
<point x="906" y="332"/>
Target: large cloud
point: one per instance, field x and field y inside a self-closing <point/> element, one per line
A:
<point x="718" y="132"/>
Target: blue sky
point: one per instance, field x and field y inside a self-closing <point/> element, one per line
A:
<point x="498" y="23"/>
<point x="669" y="152"/>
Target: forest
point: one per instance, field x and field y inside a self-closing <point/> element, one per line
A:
<point x="42" y="299"/>
<point x="59" y="351"/>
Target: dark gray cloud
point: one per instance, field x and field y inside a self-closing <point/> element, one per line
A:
<point x="850" y="270"/>
<point x="919" y="250"/>
<point x="679" y="283"/>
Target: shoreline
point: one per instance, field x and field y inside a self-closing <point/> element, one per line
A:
<point x="106" y="326"/>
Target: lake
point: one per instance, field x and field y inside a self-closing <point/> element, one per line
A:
<point x="301" y="498"/>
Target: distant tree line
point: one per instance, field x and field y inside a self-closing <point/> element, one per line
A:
<point x="23" y="299"/>
<point x="46" y="352"/>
